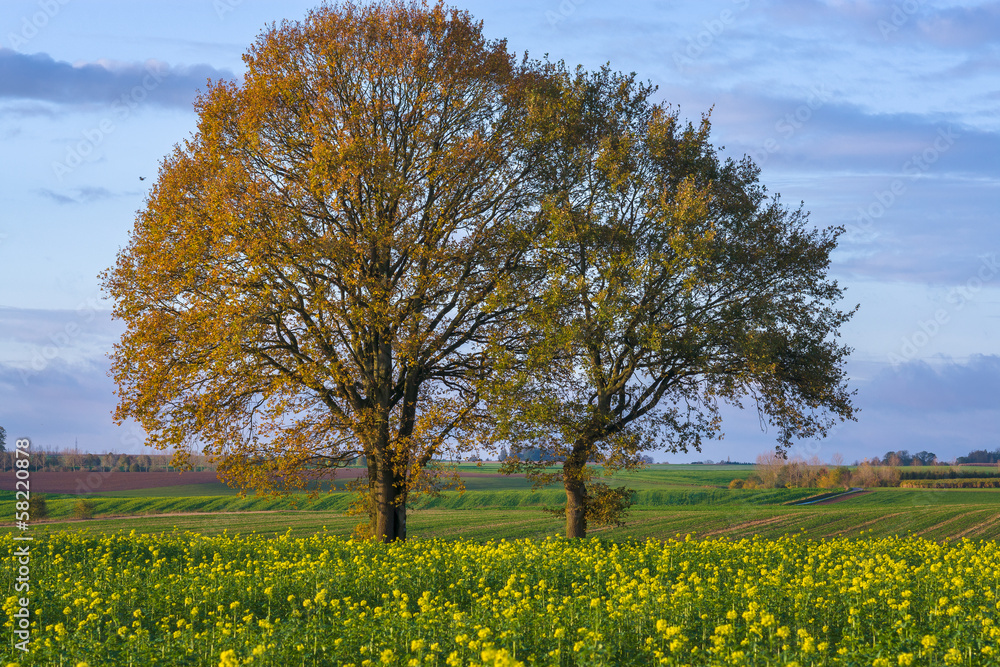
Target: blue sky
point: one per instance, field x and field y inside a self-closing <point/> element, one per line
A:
<point x="882" y="116"/>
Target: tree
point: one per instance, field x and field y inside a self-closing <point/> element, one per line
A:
<point x="900" y="458"/>
<point x="672" y="282"/>
<point x="39" y="459"/>
<point x="72" y="459"/>
<point x="311" y="276"/>
<point x="3" y="439"/>
<point x="109" y="461"/>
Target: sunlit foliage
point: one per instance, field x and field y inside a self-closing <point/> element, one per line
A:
<point x="672" y="283"/>
<point x="307" y="281"/>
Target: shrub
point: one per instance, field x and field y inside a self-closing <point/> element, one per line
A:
<point x="37" y="507"/>
<point x="83" y="509"/>
<point x="950" y="484"/>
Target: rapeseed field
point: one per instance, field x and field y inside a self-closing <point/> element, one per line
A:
<point x="188" y="599"/>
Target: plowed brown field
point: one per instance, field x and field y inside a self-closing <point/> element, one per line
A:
<point x="96" y="482"/>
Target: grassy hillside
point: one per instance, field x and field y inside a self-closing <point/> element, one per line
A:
<point x="670" y="500"/>
<point x="651" y="477"/>
<point x="62" y="507"/>
<point x="731" y="521"/>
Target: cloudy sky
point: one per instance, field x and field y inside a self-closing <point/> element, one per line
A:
<point x="882" y="116"/>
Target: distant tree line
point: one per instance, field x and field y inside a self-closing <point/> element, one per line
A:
<point x="775" y="472"/>
<point x="904" y="458"/>
<point x="70" y="460"/>
<point x="924" y="458"/>
<point x="772" y="471"/>
<point x="980" y="456"/>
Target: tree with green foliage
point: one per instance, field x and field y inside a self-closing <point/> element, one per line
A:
<point x="3" y="439"/>
<point x="672" y="282"/>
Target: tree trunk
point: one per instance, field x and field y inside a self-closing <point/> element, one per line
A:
<point x="386" y="487"/>
<point x="576" y="509"/>
<point x="390" y="508"/>
<point x="576" y="489"/>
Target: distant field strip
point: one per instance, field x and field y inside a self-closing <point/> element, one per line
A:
<point x="733" y="522"/>
<point x="84" y="481"/>
<point x="670" y="501"/>
<point x="62" y="507"/>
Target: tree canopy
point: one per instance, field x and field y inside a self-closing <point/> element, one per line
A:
<point x="393" y="238"/>
<point x="672" y="282"/>
<point x="307" y="281"/>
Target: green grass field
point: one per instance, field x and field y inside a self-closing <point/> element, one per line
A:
<point x="670" y="500"/>
<point x="652" y="477"/>
<point x="735" y="522"/>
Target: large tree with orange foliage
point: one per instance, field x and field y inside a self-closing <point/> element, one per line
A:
<point x="310" y="278"/>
